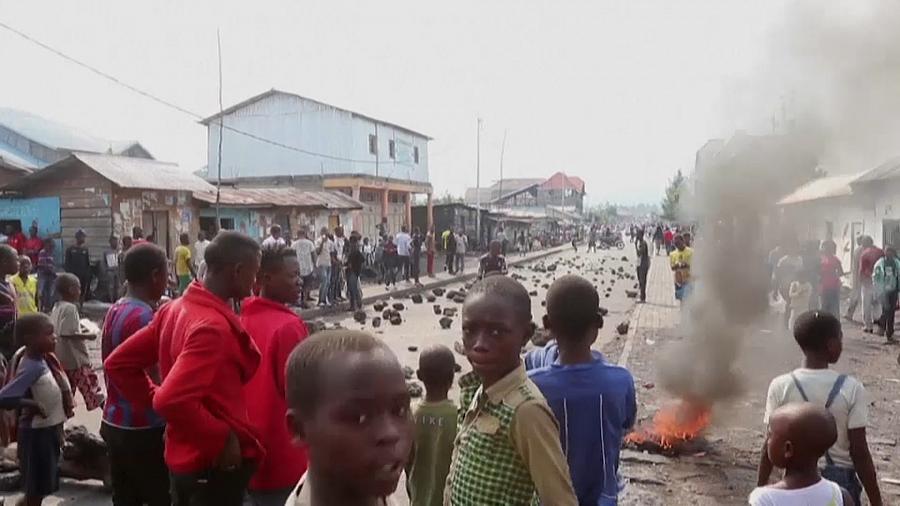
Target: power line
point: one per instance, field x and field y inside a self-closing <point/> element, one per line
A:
<point x="174" y="106"/>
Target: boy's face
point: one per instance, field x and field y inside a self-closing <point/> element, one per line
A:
<point x="361" y="433"/>
<point x="25" y="266"/>
<point x="113" y="243"/>
<point x="834" y="347"/>
<point x="283" y="284"/>
<point x="9" y="263"/>
<point x="159" y="281"/>
<point x="493" y="336"/>
<point x="74" y="291"/>
<point x="244" y="277"/>
<point x="45" y="340"/>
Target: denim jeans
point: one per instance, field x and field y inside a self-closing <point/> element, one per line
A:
<point x="324" y="273"/>
<point x="354" y="291"/>
<point x="45" y="291"/>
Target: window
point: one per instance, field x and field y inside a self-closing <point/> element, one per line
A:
<point x="392" y="149"/>
<point x="416" y="154"/>
<point x="373" y="144"/>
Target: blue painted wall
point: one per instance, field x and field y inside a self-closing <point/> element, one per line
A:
<point x="42" y="211"/>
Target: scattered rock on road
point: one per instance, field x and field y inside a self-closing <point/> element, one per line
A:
<point x="622" y="328"/>
<point x="445" y="322"/>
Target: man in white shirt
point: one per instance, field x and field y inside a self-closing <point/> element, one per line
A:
<point x="274" y="238"/>
<point x="324" y="251"/>
<point x="306" y="256"/>
<point x="462" y="247"/>
<point x="200" y="250"/>
<point x="403" y="241"/>
<point x="336" y="287"/>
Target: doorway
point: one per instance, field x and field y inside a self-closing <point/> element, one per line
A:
<point x="891" y="231"/>
<point x="156" y="225"/>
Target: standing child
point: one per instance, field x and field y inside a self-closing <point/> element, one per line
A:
<point x="348" y="403"/>
<point x="205" y="359"/>
<point x="41" y="394"/>
<point x="593" y="400"/>
<point x="435" y="429"/>
<point x="847" y="461"/>
<point x="25" y="285"/>
<point x="493" y="262"/>
<point x="134" y="434"/>
<point x="799" y="292"/>
<point x="798" y="435"/>
<point x="9" y="266"/>
<point x="184" y="267"/>
<point x="78" y="263"/>
<point x="70" y="347"/>
<point x="276" y="330"/>
<point x="507" y="451"/>
<point x="355" y="261"/>
<point x="109" y="270"/>
<point x="46" y="274"/>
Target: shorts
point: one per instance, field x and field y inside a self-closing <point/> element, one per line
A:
<point x="682" y="291"/>
<point x="184" y="280"/>
<point x="39" y="451"/>
<point x="85" y="380"/>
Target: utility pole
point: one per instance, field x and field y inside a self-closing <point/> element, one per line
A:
<point x="221" y="133"/>
<point x="478" y="183"/>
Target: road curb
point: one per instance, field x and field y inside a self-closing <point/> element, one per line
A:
<point x="309" y="314"/>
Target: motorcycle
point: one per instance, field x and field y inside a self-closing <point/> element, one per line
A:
<point x="607" y="242"/>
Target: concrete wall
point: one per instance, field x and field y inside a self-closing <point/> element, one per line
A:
<point x="317" y="128"/>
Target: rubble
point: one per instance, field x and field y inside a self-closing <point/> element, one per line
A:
<point x="398" y="306"/>
<point x="430" y="298"/>
<point x="360" y="316"/>
<point x="540" y="337"/>
<point x="376" y="322"/>
<point x="437" y="309"/>
<point x="415" y="389"/>
<point x="408" y="372"/>
<point x="449" y="311"/>
<point x="459" y="299"/>
<point x="438" y="291"/>
<point x="445" y="322"/>
<point x="416" y="298"/>
<point x="622" y="328"/>
<point x="380" y="305"/>
<point x="396" y="319"/>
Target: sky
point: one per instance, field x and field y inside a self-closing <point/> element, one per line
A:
<point x="620" y="93"/>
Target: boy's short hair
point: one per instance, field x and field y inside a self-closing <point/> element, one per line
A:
<point x="7" y="251"/>
<point x="29" y="325"/>
<point x="141" y="260"/>
<point x="229" y="248"/>
<point x="813" y="329"/>
<point x="305" y="364"/>
<point x="573" y="306"/>
<point x="437" y="366"/>
<point x="65" y="281"/>
<point x="273" y="257"/>
<point x="507" y="288"/>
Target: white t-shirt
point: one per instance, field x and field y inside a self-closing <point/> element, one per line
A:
<point x="324" y="256"/>
<point x="850" y="408"/>
<point x="199" y="252"/>
<point x="823" y="493"/>
<point x="403" y="241"/>
<point x="304" y="248"/>
<point x="272" y="241"/>
<point x="462" y="243"/>
<point x="339" y="247"/>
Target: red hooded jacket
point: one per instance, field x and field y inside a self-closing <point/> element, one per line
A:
<point x="205" y="359"/>
<point x="276" y="330"/>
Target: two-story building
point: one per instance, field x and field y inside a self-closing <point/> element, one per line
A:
<point x="559" y="191"/>
<point x="278" y="138"/>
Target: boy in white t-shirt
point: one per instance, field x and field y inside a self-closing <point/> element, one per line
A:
<point x="798" y="435"/>
<point x="848" y="461"/>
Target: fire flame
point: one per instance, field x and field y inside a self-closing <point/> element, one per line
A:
<point x="674" y="424"/>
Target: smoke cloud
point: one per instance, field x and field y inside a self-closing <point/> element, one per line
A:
<point x="829" y="89"/>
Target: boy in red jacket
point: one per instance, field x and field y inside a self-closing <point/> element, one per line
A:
<point x="276" y="330"/>
<point x="205" y="359"/>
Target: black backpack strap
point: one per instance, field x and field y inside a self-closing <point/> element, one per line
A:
<point x="799" y="387"/>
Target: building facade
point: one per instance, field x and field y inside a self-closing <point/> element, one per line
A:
<point x="283" y="136"/>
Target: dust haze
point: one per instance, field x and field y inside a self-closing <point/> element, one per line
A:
<point x="826" y="100"/>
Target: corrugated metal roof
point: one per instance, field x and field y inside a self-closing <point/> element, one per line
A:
<point x="125" y="172"/>
<point x="561" y="180"/>
<point x="822" y="188"/>
<point x="287" y="196"/>
<point x="273" y="91"/>
<point x="887" y="170"/>
<point x="55" y="135"/>
<point x="12" y="157"/>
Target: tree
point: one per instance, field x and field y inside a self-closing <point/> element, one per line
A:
<point x="673" y="197"/>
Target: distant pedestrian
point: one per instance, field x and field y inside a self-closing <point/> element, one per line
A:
<point x="449" y="250"/>
<point x="355" y="262"/>
<point x="391" y="262"/>
<point x="462" y="247"/>
<point x="33" y="245"/>
<point x="658" y="238"/>
<point x="830" y="275"/>
<point x="274" y="238"/>
<point x="886" y="277"/>
<point x="430" y="251"/>
<point x="109" y="270"/>
<point x="46" y="275"/>
<point x="403" y="242"/>
<point x="522" y="247"/>
<point x="668" y="240"/>
<point x="870" y="300"/>
<point x="643" y="266"/>
<point x="855" y="287"/>
<point x="184" y="267"/>
<point x="78" y="263"/>
<point x="324" y="250"/>
<point x="680" y="261"/>
<point x="200" y="249"/>
<point x="25" y="285"/>
<point x="15" y="238"/>
<point x="798" y="303"/>
<point x="306" y="258"/>
<point x="336" y="285"/>
<point x="415" y="255"/>
<point x="9" y="266"/>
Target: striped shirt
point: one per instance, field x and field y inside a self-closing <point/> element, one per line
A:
<point x="123" y="319"/>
